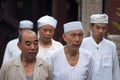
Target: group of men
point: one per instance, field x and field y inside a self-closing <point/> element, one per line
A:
<point x="39" y="57"/>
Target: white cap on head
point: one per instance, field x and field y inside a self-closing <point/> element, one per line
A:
<point x="26" y="24"/>
<point x="74" y="25"/>
<point x="99" y="18"/>
<point x="46" y="20"/>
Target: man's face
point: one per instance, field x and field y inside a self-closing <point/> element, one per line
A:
<point x="73" y="39"/>
<point x="29" y="46"/>
<point x="46" y="33"/>
<point x="99" y="31"/>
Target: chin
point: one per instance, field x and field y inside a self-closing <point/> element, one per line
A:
<point x="75" y="49"/>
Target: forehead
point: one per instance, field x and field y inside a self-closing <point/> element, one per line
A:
<point x="101" y="24"/>
<point x="29" y="37"/>
<point x="75" y="31"/>
<point x="47" y="27"/>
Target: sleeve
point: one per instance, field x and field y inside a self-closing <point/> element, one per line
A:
<point x="90" y="71"/>
<point x="2" y="73"/>
<point x="115" y="70"/>
<point x="56" y="44"/>
<point x="7" y="53"/>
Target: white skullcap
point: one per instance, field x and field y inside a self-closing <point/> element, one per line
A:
<point x="26" y="24"/>
<point x="74" y="25"/>
<point x="47" y="20"/>
<point x="99" y="18"/>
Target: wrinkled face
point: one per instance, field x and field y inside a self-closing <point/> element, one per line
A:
<point x="29" y="46"/>
<point x="99" y="31"/>
<point x="46" y="33"/>
<point x="73" y="39"/>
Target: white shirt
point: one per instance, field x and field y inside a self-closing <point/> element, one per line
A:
<point x="43" y="52"/>
<point x="11" y="50"/>
<point x="106" y="66"/>
<point x="62" y="70"/>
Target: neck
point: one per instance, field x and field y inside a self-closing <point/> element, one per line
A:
<point x="72" y="57"/>
<point x="45" y="44"/>
<point x="98" y="40"/>
<point x="28" y="67"/>
<point x="27" y="62"/>
<point x="70" y="52"/>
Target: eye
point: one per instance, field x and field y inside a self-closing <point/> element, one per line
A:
<point x="36" y="42"/>
<point x="28" y="43"/>
<point x="80" y="34"/>
<point x="73" y="35"/>
<point x="45" y="30"/>
<point x="97" y="27"/>
<point x="51" y="30"/>
<point x="104" y="28"/>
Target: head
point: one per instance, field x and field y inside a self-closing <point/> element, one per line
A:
<point x="28" y="44"/>
<point x="99" y="25"/>
<point x="46" y="27"/>
<point x="73" y="35"/>
<point x="25" y="25"/>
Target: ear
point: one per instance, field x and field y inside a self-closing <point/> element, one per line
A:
<point x="90" y="28"/>
<point x="19" y="30"/>
<point x="19" y="45"/>
<point x="64" y="37"/>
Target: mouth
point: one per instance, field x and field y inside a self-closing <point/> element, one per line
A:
<point x="33" y="53"/>
<point x="100" y="35"/>
<point x="76" y="46"/>
<point x="47" y="38"/>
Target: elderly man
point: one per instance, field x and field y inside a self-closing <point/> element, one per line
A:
<point x="26" y="66"/>
<point x="12" y="49"/>
<point x="106" y="65"/>
<point x="72" y="62"/>
<point x="46" y="28"/>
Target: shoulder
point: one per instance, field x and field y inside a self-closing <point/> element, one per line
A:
<point x="13" y="41"/>
<point x="86" y="38"/>
<point x="41" y="61"/>
<point x="54" y="55"/>
<point x="57" y="51"/>
<point x="10" y="63"/>
<point x="86" y="53"/>
<point x="56" y="43"/>
<point x="86" y="41"/>
<point x="109" y="43"/>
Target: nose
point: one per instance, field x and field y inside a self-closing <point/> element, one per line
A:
<point x="77" y="39"/>
<point x="32" y="46"/>
<point x="101" y="30"/>
<point x="48" y="32"/>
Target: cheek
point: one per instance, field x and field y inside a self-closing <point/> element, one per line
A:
<point x="95" y="31"/>
<point x="41" y="32"/>
<point x="36" y="47"/>
<point x="52" y="34"/>
<point x="25" y="48"/>
<point x="70" y="40"/>
<point x="81" y="39"/>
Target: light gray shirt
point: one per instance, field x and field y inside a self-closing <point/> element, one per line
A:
<point x="14" y="70"/>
